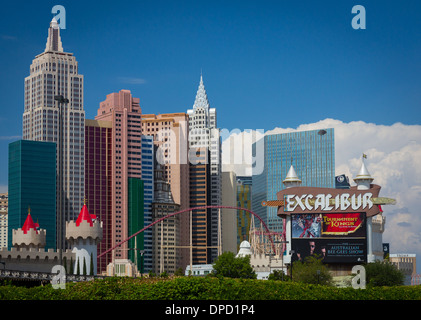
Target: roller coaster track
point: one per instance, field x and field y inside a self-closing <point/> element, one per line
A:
<point x="188" y="210"/>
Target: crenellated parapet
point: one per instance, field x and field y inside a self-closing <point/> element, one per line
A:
<point x="89" y="232"/>
<point x="32" y="238"/>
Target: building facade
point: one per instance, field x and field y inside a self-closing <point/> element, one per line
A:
<point x="244" y="185"/>
<point x="170" y="132"/>
<point x="313" y="155"/>
<point x="228" y="223"/>
<point x="170" y="135"/>
<point x="148" y="196"/>
<point x="136" y="221"/>
<point x="166" y="233"/>
<point x="98" y="191"/>
<point x="54" y="112"/>
<point x="124" y="113"/>
<point x="407" y="263"/>
<point x="32" y="185"/>
<point x="4" y="205"/>
<point x="205" y="175"/>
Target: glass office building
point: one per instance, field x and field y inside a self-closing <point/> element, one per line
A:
<point x="135" y="223"/>
<point x="32" y="184"/>
<point x="148" y="180"/>
<point x="312" y="153"/>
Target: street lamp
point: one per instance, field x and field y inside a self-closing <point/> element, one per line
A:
<point x="291" y="252"/>
<point x="63" y="101"/>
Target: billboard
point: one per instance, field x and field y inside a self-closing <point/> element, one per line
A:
<point x="335" y="237"/>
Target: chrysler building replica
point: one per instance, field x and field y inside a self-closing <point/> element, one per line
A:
<point x="205" y="156"/>
<point x="54" y="112"/>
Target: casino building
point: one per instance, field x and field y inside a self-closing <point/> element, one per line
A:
<point x="342" y="226"/>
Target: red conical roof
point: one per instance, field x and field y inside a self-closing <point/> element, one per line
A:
<point x="29" y="224"/>
<point x="84" y="215"/>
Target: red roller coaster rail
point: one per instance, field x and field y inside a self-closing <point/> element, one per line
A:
<point x="187" y="210"/>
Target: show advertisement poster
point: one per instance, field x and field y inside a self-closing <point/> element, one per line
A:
<point x="334" y="237"/>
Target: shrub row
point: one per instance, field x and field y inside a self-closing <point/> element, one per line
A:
<point x="190" y="288"/>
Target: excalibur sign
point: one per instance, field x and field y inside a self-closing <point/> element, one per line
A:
<point x="326" y="202"/>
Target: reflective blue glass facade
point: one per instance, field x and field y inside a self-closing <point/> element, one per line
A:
<point x="32" y="183"/>
<point x="148" y="179"/>
<point x="312" y="153"/>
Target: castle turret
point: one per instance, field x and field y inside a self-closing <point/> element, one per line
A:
<point x="29" y="236"/>
<point x="292" y="179"/>
<point x="363" y="178"/>
<point x="83" y="235"/>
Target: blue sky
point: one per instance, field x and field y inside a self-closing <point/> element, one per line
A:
<point x="265" y="64"/>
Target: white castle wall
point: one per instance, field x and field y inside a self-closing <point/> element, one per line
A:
<point x="32" y="259"/>
<point x="83" y="240"/>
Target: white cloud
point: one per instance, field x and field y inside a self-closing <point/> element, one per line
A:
<point x="10" y="137"/>
<point x="8" y="37"/>
<point x="394" y="161"/>
<point x="131" y="80"/>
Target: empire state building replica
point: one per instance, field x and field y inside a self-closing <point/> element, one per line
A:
<point x="54" y="112"/>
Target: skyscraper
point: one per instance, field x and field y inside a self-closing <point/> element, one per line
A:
<point x="205" y="174"/>
<point x="244" y="187"/>
<point x="98" y="166"/>
<point x="32" y="186"/>
<point x="148" y="181"/>
<point x="169" y="132"/>
<point x="54" y="112"/>
<point x="166" y="234"/>
<point x="124" y="113"/>
<point x="312" y="153"/>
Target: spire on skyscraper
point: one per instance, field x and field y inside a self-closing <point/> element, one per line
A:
<point x="54" y="40"/>
<point x="201" y="96"/>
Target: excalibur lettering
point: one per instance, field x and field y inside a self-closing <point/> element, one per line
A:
<point x="324" y="202"/>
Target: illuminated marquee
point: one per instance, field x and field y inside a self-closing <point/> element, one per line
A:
<point x="327" y="202"/>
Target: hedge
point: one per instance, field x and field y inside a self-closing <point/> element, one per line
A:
<point x="191" y="288"/>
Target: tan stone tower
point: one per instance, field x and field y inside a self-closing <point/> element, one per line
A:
<point x="83" y="235"/>
<point x="29" y="236"/>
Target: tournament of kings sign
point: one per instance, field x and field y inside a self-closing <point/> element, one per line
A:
<point x="341" y="223"/>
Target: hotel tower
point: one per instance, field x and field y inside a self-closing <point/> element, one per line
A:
<point x="54" y="112"/>
<point x="205" y="176"/>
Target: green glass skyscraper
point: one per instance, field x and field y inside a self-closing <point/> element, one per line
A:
<point x="136" y="221"/>
<point x="32" y="184"/>
<point x="312" y="153"/>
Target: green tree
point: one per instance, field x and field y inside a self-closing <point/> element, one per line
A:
<point x="278" y="275"/>
<point x="91" y="267"/>
<point x="227" y="265"/>
<point x="179" y="272"/>
<point x="84" y="266"/>
<point x="77" y="267"/>
<point x="383" y="274"/>
<point x="311" y="271"/>
<point x="71" y="266"/>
